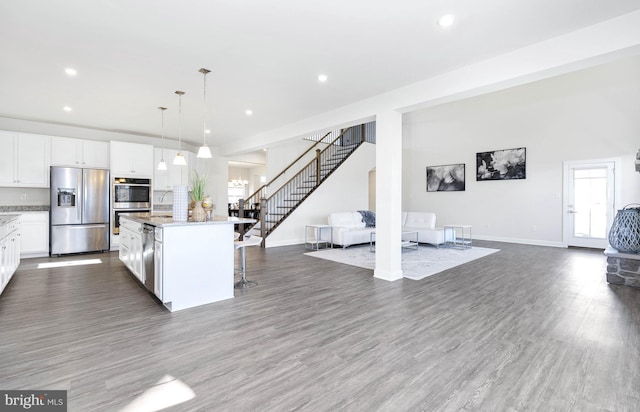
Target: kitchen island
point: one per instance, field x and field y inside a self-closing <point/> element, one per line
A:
<point x="184" y="264"/>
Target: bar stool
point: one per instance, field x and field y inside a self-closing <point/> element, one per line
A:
<point x="242" y="245"/>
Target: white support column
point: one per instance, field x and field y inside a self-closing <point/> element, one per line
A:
<point x="388" y="195"/>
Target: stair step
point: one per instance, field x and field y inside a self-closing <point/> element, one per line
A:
<point x="309" y="180"/>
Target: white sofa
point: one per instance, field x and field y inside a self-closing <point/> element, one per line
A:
<point x="348" y="228"/>
<point x="425" y="224"/>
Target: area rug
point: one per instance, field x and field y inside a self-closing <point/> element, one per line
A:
<point x="416" y="264"/>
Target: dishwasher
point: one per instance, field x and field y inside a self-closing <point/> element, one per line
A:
<point x="148" y="239"/>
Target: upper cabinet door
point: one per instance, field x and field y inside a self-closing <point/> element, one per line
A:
<point x="131" y="160"/>
<point x="79" y="153"/>
<point x="95" y="154"/>
<point x="26" y="160"/>
<point x="143" y="159"/>
<point x="174" y="175"/>
<point x="8" y="142"/>
<point x="66" y="151"/>
<point x="34" y="159"/>
<point x="160" y="177"/>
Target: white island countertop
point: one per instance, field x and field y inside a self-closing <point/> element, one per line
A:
<point x="167" y="221"/>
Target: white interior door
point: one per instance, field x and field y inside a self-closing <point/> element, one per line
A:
<point x="589" y="203"/>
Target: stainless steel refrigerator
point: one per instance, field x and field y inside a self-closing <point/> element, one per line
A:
<point x="79" y="210"/>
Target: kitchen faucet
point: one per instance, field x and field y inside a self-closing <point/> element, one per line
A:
<point x="161" y="199"/>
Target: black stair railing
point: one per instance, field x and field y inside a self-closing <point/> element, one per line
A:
<point x="274" y="208"/>
<point x="263" y="191"/>
<point x="279" y="205"/>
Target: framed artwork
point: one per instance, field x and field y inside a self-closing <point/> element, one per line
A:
<point x="502" y="164"/>
<point x="445" y="178"/>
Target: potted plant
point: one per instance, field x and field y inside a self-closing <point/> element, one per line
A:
<point x="197" y="195"/>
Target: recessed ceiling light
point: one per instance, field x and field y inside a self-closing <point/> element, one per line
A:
<point x="67" y="109"/>
<point x="248" y="112"/>
<point x="447" y="20"/>
<point x="207" y="131"/>
<point x="323" y="78"/>
<point x="70" y="71"/>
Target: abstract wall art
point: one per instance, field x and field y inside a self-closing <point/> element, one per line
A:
<point x="445" y="178"/>
<point x="502" y="164"/>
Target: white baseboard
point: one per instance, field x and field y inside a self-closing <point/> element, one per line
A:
<point x="533" y="242"/>
<point x="34" y="255"/>
<point x="286" y="242"/>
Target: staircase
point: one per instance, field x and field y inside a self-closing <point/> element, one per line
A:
<point x="276" y="205"/>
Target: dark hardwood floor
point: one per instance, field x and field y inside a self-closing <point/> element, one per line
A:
<point x="527" y="328"/>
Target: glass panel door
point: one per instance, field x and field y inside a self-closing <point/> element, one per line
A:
<point x="590" y="204"/>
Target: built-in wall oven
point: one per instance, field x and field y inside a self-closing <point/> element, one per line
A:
<point x="129" y="196"/>
<point x="131" y="193"/>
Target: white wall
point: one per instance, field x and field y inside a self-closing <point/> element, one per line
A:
<point x="281" y="155"/>
<point x="590" y="114"/>
<point x="347" y="189"/>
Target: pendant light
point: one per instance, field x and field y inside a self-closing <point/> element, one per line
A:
<point x="162" y="165"/>
<point x="204" y="151"/>
<point x="179" y="159"/>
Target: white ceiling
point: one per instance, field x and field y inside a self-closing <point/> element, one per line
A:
<point x="131" y="55"/>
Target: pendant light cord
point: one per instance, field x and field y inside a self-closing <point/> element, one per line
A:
<point x="179" y="122"/>
<point x="204" y="112"/>
<point x="162" y="109"/>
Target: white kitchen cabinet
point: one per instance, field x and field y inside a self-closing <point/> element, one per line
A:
<point x="130" y="251"/>
<point x="158" y="264"/>
<point x="9" y="250"/>
<point x="195" y="164"/>
<point x="79" y="153"/>
<point x="34" y="234"/>
<point x="175" y="175"/>
<point x="125" y="243"/>
<point x="26" y="159"/>
<point x="131" y="160"/>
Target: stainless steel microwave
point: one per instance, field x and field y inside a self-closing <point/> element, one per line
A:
<point x="131" y="193"/>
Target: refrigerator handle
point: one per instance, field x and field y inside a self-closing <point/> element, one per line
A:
<point x="85" y="227"/>
<point x="80" y="180"/>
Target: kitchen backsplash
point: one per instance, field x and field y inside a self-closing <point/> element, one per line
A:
<point x="161" y="197"/>
<point x="24" y="196"/>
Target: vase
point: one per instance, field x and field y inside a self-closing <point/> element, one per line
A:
<point x="624" y="235"/>
<point x="198" y="214"/>
<point x="180" y="203"/>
